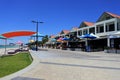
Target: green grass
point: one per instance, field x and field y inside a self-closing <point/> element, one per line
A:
<point x="11" y="64"/>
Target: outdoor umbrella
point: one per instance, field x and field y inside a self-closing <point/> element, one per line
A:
<point x="31" y="41"/>
<point x="66" y="39"/>
<point x="94" y="35"/>
<point x="88" y="36"/>
<point x="2" y="37"/>
<point x="39" y="35"/>
<point x="60" y="39"/>
<point x="52" y="40"/>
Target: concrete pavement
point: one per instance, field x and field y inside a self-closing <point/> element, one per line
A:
<point x="72" y="65"/>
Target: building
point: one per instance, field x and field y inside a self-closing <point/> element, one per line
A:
<point x="107" y="27"/>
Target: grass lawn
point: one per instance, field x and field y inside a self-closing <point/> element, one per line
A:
<point x="11" y="64"/>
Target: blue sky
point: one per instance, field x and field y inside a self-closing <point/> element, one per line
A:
<point x="56" y="14"/>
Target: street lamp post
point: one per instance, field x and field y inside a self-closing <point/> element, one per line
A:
<point x="36" y="33"/>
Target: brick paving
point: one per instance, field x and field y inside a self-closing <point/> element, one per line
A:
<point x="73" y="65"/>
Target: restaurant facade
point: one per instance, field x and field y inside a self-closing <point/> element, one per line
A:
<point x="107" y="28"/>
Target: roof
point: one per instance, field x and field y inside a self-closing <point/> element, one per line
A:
<point x="88" y="23"/>
<point x="65" y="31"/>
<point x="113" y="15"/>
<point x="18" y="33"/>
<point x="52" y="36"/>
<point x="74" y="28"/>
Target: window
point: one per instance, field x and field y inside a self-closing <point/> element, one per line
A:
<point x="74" y="33"/>
<point x="85" y="31"/>
<point x="110" y="27"/>
<point x="118" y="26"/>
<point x="100" y="28"/>
<point x="108" y="17"/>
<point x="92" y="30"/>
<point x="80" y="32"/>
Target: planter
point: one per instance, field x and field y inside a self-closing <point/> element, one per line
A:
<point x="105" y="51"/>
<point x="118" y="51"/>
<point x="110" y="51"/>
<point x="78" y="49"/>
<point x="71" y="49"/>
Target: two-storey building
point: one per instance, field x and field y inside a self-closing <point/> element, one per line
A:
<point x="107" y="28"/>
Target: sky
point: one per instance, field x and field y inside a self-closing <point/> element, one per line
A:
<point x="57" y="15"/>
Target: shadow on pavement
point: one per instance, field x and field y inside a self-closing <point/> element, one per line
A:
<point x="85" y="66"/>
<point x="26" y="78"/>
<point x="42" y="49"/>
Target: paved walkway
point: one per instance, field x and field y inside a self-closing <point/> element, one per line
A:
<point x="73" y="65"/>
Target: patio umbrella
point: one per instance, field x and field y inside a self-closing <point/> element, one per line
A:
<point x="52" y="40"/>
<point x="94" y="35"/>
<point x="66" y="39"/>
<point x="60" y="39"/>
<point x="2" y="37"/>
<point x="31" y="41"/>
<point x="39" y="35"/>
<point x="88" y="36"/>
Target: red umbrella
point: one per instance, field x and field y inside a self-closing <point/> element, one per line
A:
<point x="60" y="39"/>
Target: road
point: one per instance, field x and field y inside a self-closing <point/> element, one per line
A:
<point x="73" y="65"/>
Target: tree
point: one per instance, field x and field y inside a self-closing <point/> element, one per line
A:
<point x="45" y="39"/>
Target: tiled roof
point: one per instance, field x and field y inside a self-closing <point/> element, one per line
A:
<point x="113" y="15"/>
<point x="66" y="31"/>
<point x="74" y="28"/>
<point x="52" y="36"/>
<point x="58" y="34"/>
<point x="88" y="23"/>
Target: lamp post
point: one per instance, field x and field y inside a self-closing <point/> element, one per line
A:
<point x="36" y="33"/>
